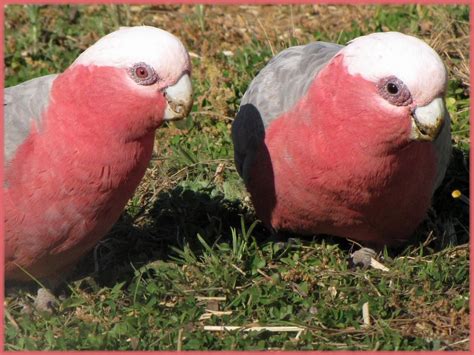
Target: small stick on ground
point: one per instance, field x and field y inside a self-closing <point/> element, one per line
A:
<point x="180" y="339"/>
<point x="274" y="329"/>
<point x="217" y="298"/>
<point x="366" y="314"/>
<point x="377" y="265"/>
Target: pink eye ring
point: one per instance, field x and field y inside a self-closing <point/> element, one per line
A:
<point x="143" y="74"/>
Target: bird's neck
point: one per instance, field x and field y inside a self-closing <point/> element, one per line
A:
<point x="101" y="103"/>
<point x="350" y="106"/>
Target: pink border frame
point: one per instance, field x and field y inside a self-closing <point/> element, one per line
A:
<point x="224" y="2"/>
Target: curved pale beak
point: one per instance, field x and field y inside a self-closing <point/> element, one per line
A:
<point x="427" y="121"/>
<point x="179" y="98"/>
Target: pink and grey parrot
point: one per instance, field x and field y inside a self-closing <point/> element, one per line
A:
<point x="349" y="140"/>
<point x="78" y="143"/>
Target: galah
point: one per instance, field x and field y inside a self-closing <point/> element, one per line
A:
<point x="78" y="143"/>
<point x="349" y="141"/>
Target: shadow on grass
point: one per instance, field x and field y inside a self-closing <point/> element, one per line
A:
<point x="178" y="215"/>
<point x="449" y="217"/>
<point x="174" y="219"/>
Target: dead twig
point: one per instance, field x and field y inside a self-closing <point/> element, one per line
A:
<point x="273" y="329"/>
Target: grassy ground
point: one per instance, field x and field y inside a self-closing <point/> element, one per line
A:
<point x="188" y="251"/>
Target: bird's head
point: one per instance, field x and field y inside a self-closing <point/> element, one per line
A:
<point x="138" y="71"/>
<point x="395" y="83"/>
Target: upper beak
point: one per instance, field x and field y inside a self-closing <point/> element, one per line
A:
<point x="428" y="120"/>
<point x="179" y="98"/>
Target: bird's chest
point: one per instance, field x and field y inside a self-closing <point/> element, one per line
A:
<point x="339" y="189"/>
<point x="75" y="195"/>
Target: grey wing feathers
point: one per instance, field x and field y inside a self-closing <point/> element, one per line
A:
<point x="275" y="90"/>
<point x="22" y="104"/>
<point x="287" y="77"/>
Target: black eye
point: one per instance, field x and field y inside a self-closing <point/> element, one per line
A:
<point x="143" y="74"/>
<point x="392" y="88"/>
<point x="394" y="91"/>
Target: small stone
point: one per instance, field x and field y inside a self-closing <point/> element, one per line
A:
<point x="45" y="301"/>
<point x="362" y="257"/>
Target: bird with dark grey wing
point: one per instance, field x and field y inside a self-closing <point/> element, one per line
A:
<point x="349" y="140"/>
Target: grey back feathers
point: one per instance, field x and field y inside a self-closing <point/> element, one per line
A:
<point x="23" y="104"/>
<point x="275" y="90"/>
<point x="287" y="77"/>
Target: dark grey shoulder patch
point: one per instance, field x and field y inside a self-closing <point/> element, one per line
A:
<point x="248" y="132"/>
